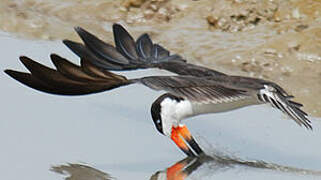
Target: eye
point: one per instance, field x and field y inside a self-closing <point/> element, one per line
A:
<point x="158" y="121"/>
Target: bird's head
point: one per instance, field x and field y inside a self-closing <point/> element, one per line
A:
<point x="167" y="112"/>
<point x="164" y="113"/>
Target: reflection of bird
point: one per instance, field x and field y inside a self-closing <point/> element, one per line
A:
<point x="182" y="169"/>
<point x="81" y="172"/>
<point x="218" y="163"/>
<point x="196" y="90"/>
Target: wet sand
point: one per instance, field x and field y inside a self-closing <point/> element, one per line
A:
<point x="276" y="40"/>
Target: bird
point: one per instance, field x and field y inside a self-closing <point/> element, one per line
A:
<point x="193" y="90"/>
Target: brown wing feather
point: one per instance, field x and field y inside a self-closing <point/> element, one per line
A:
<point x="71" y="70"/>
<point x="31" y="81"/>
<point x="68" y="79"/>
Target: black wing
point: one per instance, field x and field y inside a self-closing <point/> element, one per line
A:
<point x="130" y="54"/>
<point x="70" y="79"/>
<point x="67" y="78"/>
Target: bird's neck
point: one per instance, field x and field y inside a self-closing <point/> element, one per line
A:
<point x="173" y="111"/>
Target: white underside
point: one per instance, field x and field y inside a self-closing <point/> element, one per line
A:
<point x="222" y="107"/>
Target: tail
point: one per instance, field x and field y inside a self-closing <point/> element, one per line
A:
<point x="67" y="78"/>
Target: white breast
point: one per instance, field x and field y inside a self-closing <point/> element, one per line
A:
<point x="172" y="112"/>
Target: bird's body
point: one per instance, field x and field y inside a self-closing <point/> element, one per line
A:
<point x="222" y="107"/>
<point x="194" y="90"/>
<point x="175" y="110"/>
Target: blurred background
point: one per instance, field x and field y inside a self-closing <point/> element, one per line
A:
<point x="111" y="135"/>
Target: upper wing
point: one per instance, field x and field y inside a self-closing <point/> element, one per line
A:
<point x="130" y="54"/>
<point x="196" y="89"/>
<point x="70" y="79"/>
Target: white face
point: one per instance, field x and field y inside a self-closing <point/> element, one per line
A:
<point x="172" y="112"/>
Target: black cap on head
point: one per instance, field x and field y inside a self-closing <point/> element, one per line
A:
<point x="157" y="119"/>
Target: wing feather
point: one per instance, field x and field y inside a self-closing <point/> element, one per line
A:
<point x="131" y="55"/>
<point x="144" y="46"/>
<point x="278" y="100"/>
<point x="68" y="79"/>
<point x="100" y="48"/>
<point x="195" y="89"/>
<point x="125" y="44"/>
<point x="84" y="53"/>
<point x="70" y="70"/>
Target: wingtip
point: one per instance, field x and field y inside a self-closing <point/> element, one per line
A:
<point x="118" y="28"/>
<point x="25" y="60"/>
<point x="70" y="44"/>
<point x="145" y="35"/>
<point x="309" y="125"/>
<point x="13" y="74"/>
<point x="83" y="33"/>
<point x="8" y="72"/>
<point x="65" y="41"/>
<point x="54" y="59"/>
<point x="54" y="55"/>
<point x="78" y="29"/>
<point x="23" y="57"/>
<point x="116" y="25"/>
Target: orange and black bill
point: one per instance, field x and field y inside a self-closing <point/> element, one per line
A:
<point x="176" y="172"/>
<point x="181" y="135"/>
<point x="182" y="169"/>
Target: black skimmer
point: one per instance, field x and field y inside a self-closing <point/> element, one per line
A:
<point x="194" y="90"/>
